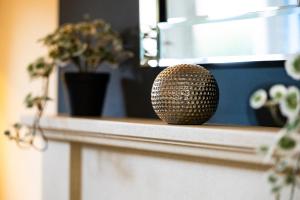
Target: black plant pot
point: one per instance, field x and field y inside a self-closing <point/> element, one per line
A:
<point x="270" y="116"/>
<point x="86" y="92"/>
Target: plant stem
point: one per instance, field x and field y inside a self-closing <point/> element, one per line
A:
<point x="277" y="196"/>
<point x="77" y="63"/>
<point x="39" y="114"/>
<point x="86" y="66"/>
<point x="295" y="172"/>
<point x="40" y="105"/>
<point x="277" y="120"/>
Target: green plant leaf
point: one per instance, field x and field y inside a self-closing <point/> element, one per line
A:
<point x="287" y="143"/>
<point x="290" y="178"/>
<point x="263" y="149"/>
<point x="276" y="189"/>
<point x="29" y="101"/>
<point x="7" y="133"/>
<point x="17" y="126"/>
<point x="272" y="178"/>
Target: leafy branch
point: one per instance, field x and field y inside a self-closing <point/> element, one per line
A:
<point x="285" y="151"/>
<point x="39" y="69"/>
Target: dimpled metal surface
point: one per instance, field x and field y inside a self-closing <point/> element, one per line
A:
<point x="185" y="94"/>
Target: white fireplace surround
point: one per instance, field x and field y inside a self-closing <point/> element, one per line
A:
<point x="135" y="159"/>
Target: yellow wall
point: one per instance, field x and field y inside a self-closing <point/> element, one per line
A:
<point x="2" y="97"/>
<point x="22" y="22"/>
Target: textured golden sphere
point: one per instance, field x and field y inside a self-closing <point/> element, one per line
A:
<point x="185" y="94"/>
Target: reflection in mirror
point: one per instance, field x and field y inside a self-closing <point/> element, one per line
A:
<point x="219" y="8"/>
<point x="214" y="31"/>
<point x="148" y="32"/>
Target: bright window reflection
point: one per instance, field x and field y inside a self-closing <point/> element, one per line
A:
<point x="220" y="8"/>
<point x="217" y="8"/>
<point x="205" y="31"/>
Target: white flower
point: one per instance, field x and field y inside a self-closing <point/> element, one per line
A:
<point x="292" y="66"/>
<point x="258" y="99"/>
<point x="290" y="106"/>
<point x="277" y="92"/>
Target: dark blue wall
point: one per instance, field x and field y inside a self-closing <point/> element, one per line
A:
<point x="236" y="84"/>
<point x="129" y="89"/>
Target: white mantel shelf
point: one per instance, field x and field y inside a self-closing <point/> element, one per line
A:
<point x="231" y="143"/>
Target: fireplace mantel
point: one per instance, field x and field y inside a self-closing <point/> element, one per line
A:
<point x="234" y="143"/>
<point x="91" y="159"/>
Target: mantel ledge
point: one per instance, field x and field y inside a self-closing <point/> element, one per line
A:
<point x="235" y="143"/>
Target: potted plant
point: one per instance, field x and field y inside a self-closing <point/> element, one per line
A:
<point x="84" y="46"/>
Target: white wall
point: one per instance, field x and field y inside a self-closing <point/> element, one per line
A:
<point x="22" y="23"/>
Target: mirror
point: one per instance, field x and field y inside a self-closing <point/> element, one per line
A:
<point x="216" y="31"/>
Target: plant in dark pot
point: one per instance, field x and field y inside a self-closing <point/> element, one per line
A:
<point x="83" y="47"/>
<point x="269" y="113"/>
<point x="86" y="45"/>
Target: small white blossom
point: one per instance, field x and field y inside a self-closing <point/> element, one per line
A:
<point x="290" y="106"/>
<point x="292" y="66"/>
<point x="258" y="99"/>
<point x="277" y="92"/>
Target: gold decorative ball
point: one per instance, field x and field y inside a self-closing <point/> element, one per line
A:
<point x="185" y="94"/>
